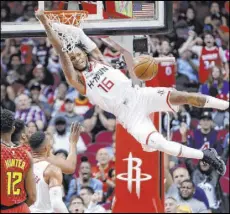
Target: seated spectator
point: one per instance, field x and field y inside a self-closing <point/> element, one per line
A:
<point x="58" y="98"/>
<point x="17" y="77"/>
<point x="187" y="191"/>
<point x="76" y="205"/>
<point x="84" y="180"/>
<point x="5" y="13"/>
<point x="91" y="200"/>
<point x="31" y="128"/>
<point x="102" y="169"/>
<point x="29" y="113"/>
<point x="41" y="51"/>
<point x="177" y="119"/>
<point x="179" y="175"/>
<point x="61" y="137"/>
<point x="205" y="137"/>
<point x="215" y="11"/>
<point x="97" y="120"/>
<point x="46" y="80"/>
<point x="9" y="48"/>
<point x="170" y="205"/>
<point x="68" y="114"/>
<point x="28" y="14"/>
<point x="193" y="23"/>
<point x="217" y="81"/>
<point x="38" y="99"/>
<point x="216" y="86"/>
<point x="6" y="103"/>
<point x="188" y="66"/>
<point x="54" y="65"/>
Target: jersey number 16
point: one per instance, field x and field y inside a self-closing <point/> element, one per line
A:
<point x="106" y="85"/>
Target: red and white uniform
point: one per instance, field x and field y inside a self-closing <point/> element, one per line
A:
<point x="43" y="203"/>
<point x="208" y="58"/>
<point x="112" y="91"/>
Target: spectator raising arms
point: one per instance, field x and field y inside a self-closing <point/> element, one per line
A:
<point x="209" y="55"/>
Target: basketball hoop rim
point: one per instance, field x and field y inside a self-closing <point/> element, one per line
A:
<point x="66" y="12"/>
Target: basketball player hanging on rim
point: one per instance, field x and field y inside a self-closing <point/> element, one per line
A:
<point x="112" y="91"/>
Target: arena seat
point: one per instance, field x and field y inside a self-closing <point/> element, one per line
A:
<point x="194" y="123"/>
<point x="222" y="134"/>
<point x="86" y="138"/>
<point x="104" y="136"/>
<point x="176" y="135"/>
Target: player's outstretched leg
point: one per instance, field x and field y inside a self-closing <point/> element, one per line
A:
<point x="158" y="142"/>
<point x="197" y="100"/>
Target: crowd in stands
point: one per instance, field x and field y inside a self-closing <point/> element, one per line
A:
<point x="33" y="86"/>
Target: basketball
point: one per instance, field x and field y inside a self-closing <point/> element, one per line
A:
<point x="145" y="67"/>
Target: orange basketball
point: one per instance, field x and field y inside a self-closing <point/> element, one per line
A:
<point x="145" y="67"/>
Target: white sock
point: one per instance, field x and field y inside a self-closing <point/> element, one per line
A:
<point x="158" y="142"/>
<point x="212" y="102"/>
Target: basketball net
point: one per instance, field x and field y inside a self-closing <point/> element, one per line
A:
<point x="67" y="25"/>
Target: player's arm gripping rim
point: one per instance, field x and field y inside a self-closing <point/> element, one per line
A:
<point x="67" y="66"/>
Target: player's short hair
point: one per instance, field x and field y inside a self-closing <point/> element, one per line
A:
<point x="7" y="121"/>
<point x="36" y="140"/>
<point x="19" y="129"/>
<point x="62" y="151"/>
<point x="82" y="47"/>
<point x="89" y="189"/>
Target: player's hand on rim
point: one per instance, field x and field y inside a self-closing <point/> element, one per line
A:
<point x="75" y="132"/>
<point x="40" y="15"/>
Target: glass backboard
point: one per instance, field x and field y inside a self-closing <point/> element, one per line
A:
<point x="105" y="17"/>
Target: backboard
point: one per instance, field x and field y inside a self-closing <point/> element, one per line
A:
<point x="105" y="18"/>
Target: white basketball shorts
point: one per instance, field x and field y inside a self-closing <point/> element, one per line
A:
<point x="138" y="104"/>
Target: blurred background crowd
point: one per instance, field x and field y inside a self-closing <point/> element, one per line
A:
<point x="33" y="86"/>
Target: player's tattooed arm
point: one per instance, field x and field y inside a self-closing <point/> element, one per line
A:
<point x="52" y="36"/>
<point x="183" y="98"/>
<point x="196" y="100"/>
<point x="80" y="80"/>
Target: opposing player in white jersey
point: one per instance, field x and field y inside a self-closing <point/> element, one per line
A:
<point x="48" y="177"/>
<point x="112" y="91"/>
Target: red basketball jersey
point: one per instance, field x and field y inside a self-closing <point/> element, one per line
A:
<point x="166" y="74"/>
<point x="26" y="147"/>
<point x="15" y="163"/>
<point x="208" y="59"/>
